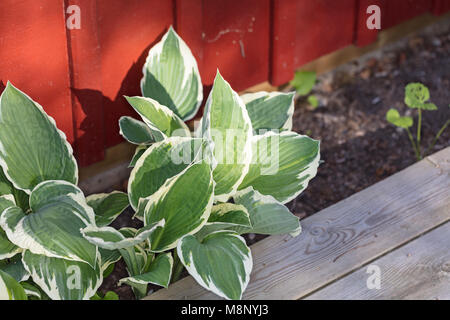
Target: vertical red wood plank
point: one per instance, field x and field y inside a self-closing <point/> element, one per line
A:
<point x="399" y="11"/>
<point x="236" y="41"/>
<point x="313" y="28"/>
<point x="33" y="55"/>
<point x="127" y="29"/>
<point x="363" y="35"/>
<point x="283" y="25"/>
<point x="85" y="63"/>
<point x="441" y="6"/>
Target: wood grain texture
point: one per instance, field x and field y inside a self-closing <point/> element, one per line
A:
<point x="345" y="236"/>
<point x="418" y="270"/>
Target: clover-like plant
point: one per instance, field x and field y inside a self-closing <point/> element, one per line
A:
<point x="417" y="96"/>
<point x="43" y="253"/>
<point x="203" y="190"/>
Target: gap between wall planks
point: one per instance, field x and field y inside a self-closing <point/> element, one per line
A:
<point x="121" y="153"/>
<point x="344" y="237"/>
<point x="418" y="270"/>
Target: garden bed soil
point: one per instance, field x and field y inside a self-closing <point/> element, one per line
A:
<point x="358" y="146"/>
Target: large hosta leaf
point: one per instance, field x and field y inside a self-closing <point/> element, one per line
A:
<point x="282" y="164"/>
<point x="136" y="132"/>
<point x="7" y="248"/>
<point x="222" y="262"/>
<point x="267" y="215"/>
<point x="226" y="123"/>
<point x="32" y="149"/>
<point x="59" y="211"/>
<point x="171" y="76"/>
<point x="161" y="121"/>
<point x="184" y="202"/>
<point x="159" y="273"/>
<point x="107" y="206"/>
<point x="10" y="289"/>
<point x="62" y="279"/>
<point x="111" y="239"/>
<point x="269" y="111"/>
<point x="160" y="162"/>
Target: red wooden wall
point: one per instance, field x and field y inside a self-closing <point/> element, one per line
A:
<point x="80" y="75"/>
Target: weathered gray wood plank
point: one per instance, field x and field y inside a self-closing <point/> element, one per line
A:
<point x="345" y="236"/>
<point x="418" y="270"/>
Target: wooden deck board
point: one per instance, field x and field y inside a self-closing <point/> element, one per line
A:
<point x="418" y="270"/>
<point x="344" y="237"/>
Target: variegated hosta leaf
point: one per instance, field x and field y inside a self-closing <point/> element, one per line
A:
<point x="282" y="164"/>
<point x="160" y="162"/>
<point x="267" y="215"/>
<point x="136" y="260"/>
<point x="135" y="131"/>
<point x="137" y="155"/>
<point x="7" y="248"/>
<point x="108" y="257"/>
<point x="161" y="121"/>
<point x="221" y="263"/>
<point x="32" y="149"/>
<point x="59" y="211"/>
<point x="159" y="273"/>
<point x="184" y="202"/>
<point x="14" y="267"/>
<point x="226" y="123"/>
<point x="226" y="216"/>
<point x="6" y="188"/>
<point x="107" y="206"/>
<point x="269" y="111"/>
<point x="171" y="76"/>
<point x="63" y="279"/>
<point x="111" y="239"/>
<point x="10" y="289"/>
<point x="31" y="290"/>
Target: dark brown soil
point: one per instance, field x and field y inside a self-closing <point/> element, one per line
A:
<point x="358" y="146"/>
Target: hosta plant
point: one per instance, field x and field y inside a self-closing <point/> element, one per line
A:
<point x="199" y="192"/>
<point x="43" y="253"/>
<point x="417" y="96"/>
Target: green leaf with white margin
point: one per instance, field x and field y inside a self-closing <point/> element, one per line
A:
<point x="184" y="201"/>
<point x="269" y="111"/>
<point x="161" y="121"/>
<point x="226" y="216"/>
<point x="282" y="164"/>
<point x="14" y="267"/>
<point x="31" y="290"/>
<point x="32" y="148"/>
<point x="171" y="76"/>
<point x="21" y="198"/>
<point x="10" y="289"/>
<point x="59" y="211"/>
<point x="62" y="279"/>
<point x="7" y="248"/>
<point x="221" y="263"/>
<point x="135" y="131"/>
<point x="158" y="273"/>
<point x="137" y="155"/>
<point x="267" y="215"/>
<point x="227" y="125"/>
<point x="161" y="161"/>
<point x="107" y="206"/>
<point x="111" y="239"/>
<point x="392" y="116"/>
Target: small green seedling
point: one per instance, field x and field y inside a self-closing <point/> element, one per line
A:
<point x="417" y="96"/>
<point x="303" y="83"/>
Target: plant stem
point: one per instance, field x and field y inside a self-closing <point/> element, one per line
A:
<point x="177" y="267"/>
<point x="436" y="138"/>
<point x="413" y="144"/>
<point x="419" y="128"/>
